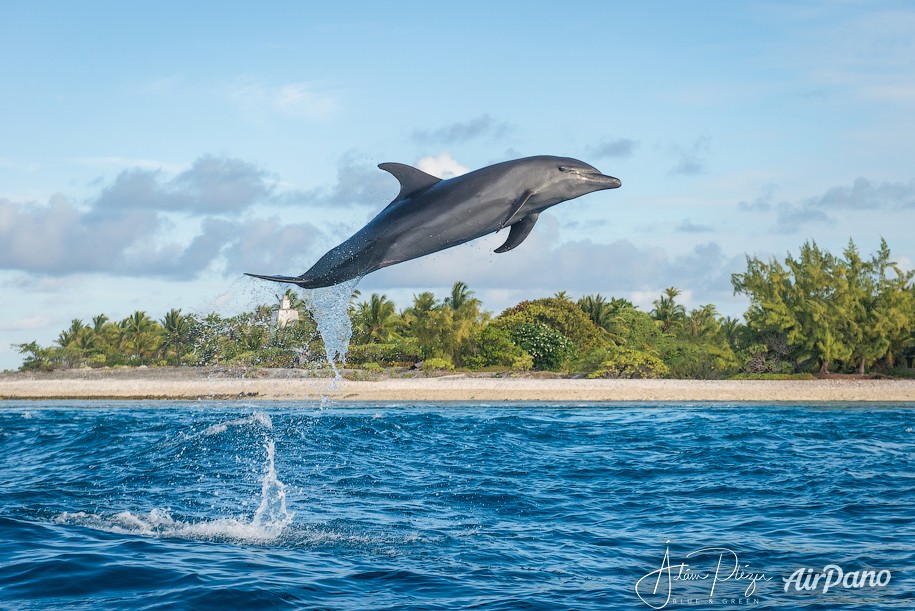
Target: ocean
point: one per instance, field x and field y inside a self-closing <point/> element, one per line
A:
<point x="229" y="505"/>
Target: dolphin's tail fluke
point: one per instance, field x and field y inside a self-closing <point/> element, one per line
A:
<point x="290" y="279"/>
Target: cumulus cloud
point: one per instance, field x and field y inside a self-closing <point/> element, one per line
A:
<point x="271" y="247"/>
<point x="212" y="185"/>
<point x="545" y="265"/>
<point x="687" y="226"/>
<point x="690" y="160"/>
<point x="357" y="184"/>
<point x="60" y="238"/>
<point x="623" y="147"/>
<point x="483" y="126"/>
<point x="129" y="228"/>
<point x="762" y="203"/>
<point x="862" y="196"/>
<point x="442" y="165"/>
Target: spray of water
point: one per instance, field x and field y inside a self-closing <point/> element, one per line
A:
<point x="329" y="307"/>
<point x="266" y="526"/>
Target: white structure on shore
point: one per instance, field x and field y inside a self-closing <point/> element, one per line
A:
<point x="286" y="315"/>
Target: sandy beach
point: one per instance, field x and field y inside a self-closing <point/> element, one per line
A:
<point x="201" y="383"/>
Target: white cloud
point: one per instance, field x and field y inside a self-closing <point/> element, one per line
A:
<point x="479" y="127"/>
<point x="544" y="265"/>
<point x="442" y="165"/>
<point x="26" y="323"/>
<point x="309" y="101"/>
<point x="129" y="162"/>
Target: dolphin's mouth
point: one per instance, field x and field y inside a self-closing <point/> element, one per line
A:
<point x="606" y="182"/>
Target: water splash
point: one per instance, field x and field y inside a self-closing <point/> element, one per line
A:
<point x="329" y="306"/>
<point x="271" y="515"/>
<point x="268" y="524"/>
<point x="256" y="418"/>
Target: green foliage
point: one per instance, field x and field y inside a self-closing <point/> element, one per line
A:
<point x="560" y="315"/>
<point x="699" y="359"/>
<point x="35" y="358"/>
<point x="667" y="312"/>
<point x="400" y="352"/>
<point x="550" y="330"/>
<point x="622" y="362"/>
<point x="373" y="320"/>
<point x="548" y="348"/>
<point x="437" y="364"/>
<point x="834" y="311"/>
<point x="492" y="346"/>
<point x="815" y="312"/>
<point x="901" y="372"/>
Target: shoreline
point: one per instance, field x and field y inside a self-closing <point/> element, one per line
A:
<point x="272" y="385"/>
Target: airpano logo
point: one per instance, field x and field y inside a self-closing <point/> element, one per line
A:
<point x="716" y="576"/>
<point x="834" y="577"/>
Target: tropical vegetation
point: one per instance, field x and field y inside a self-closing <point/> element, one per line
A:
<point x="814" y="313"/>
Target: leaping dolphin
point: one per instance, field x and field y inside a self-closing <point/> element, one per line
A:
<point x="430" y="214"/>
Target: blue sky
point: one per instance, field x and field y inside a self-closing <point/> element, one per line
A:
<point x="151" y="153"/>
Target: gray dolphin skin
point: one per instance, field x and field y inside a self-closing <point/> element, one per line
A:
<point x="430" y="214"/>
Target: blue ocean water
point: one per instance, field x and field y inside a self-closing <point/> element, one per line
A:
<point x="197" y="505"/>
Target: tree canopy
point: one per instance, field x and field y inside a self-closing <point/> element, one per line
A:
<point x="815" y="312"/>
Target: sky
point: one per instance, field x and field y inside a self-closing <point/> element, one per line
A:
<point x="150" y="153"/>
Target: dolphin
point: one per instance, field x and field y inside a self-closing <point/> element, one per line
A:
<point x="430" y="214"/>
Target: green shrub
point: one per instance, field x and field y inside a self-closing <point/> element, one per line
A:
<point x="560" y="315"/>
<point x="491" y="346"/>
<point x="548" y="348"/>
<point x="627" y="363"/>
<point x="398" y="352"/>
<point x="524" y="362"/>
<point x="436" y="363"/>
<point x="901" y="372"/>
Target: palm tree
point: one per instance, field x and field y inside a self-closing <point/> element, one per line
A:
<point x="98" y="323"/>
<point x="422" y="304"/>
<point x="465" y="306"/>
<point x="667" y="312"/>
<point x="140" y="331"/>
<point x="703" y="320"/>
<point x="176" y="329"/>
<point x="732" y="329"/>
<point x="597" y="309"/>
<point x="76" y="341"/>
<point x="375" y="319"/>
<point x="68" y="336"/>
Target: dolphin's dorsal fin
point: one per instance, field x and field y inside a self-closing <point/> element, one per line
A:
<point x="519" y="231"/>
<point x="411" y="180"/>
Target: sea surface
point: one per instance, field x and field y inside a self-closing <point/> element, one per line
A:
<point x="208" y="505"/>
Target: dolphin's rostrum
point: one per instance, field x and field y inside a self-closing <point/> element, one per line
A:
<point x="430" y="214"/>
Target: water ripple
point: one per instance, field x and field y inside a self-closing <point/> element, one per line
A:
<point x="190" y="505"/>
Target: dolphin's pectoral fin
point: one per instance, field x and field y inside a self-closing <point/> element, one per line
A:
<point x="411" y="180"/>
<point x="515" y="208"/>
<point x="519" y="232"/>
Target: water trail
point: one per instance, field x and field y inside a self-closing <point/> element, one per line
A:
<point x="266" y="526"/>
<point x="271" y="515"/>
<point x="255" y="418"/>
<point x="329" y="307"/>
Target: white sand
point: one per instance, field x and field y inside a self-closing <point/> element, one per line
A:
<point x="192" y="384"/>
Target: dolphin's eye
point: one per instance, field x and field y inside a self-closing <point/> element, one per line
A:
<point x="565" y="168"/>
